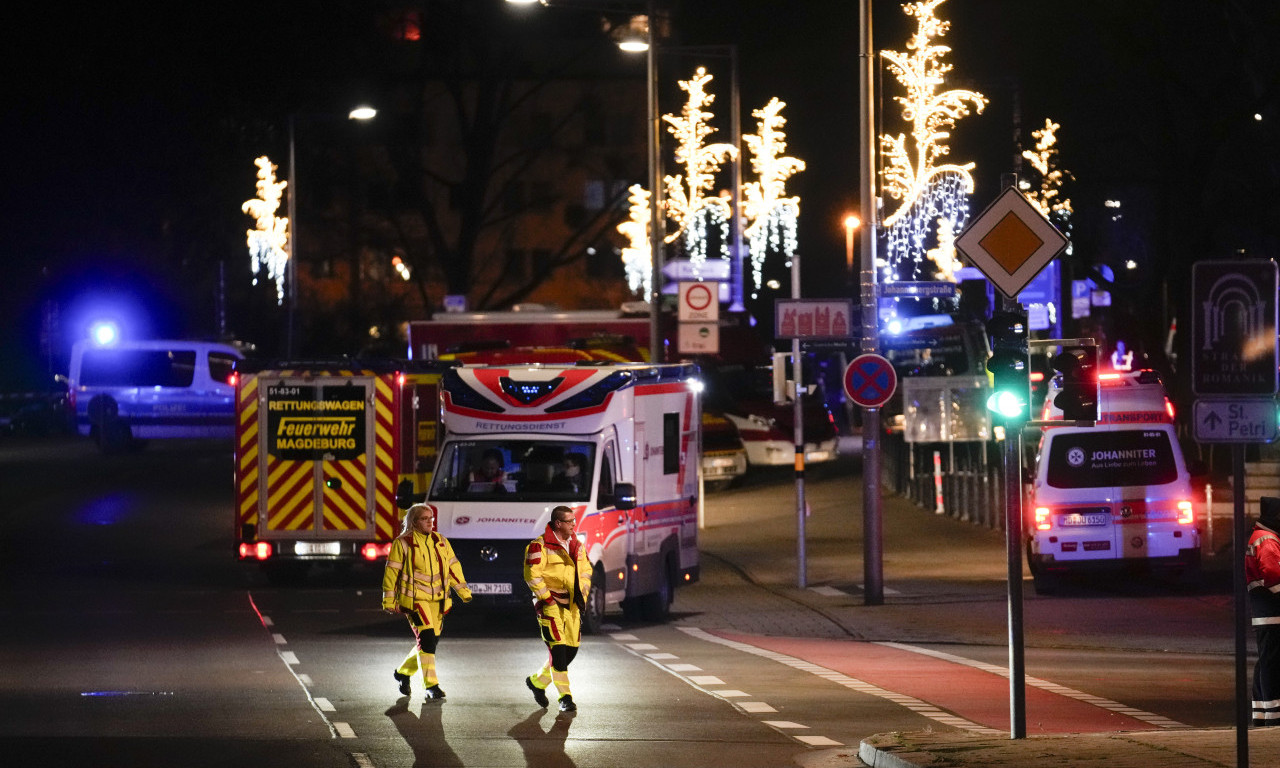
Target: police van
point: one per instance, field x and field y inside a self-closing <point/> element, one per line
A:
<point x="127" y="392"/>
<point x="1115" y="495"/>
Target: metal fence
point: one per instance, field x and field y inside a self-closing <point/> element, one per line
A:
<point x="961" y="479"/>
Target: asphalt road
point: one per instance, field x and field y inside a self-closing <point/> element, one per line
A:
<point x="130" y="636"/>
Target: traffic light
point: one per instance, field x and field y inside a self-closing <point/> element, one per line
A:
<point x="1010" y="366"/>
<point x="1078" y="367"/>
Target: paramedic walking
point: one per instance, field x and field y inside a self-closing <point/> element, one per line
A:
<point x="559" y="575"/>
<point x="421" y="569"/>
<point x="1262" y="574"/>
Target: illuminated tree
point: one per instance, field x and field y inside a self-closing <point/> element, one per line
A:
<point x="687" y="203"/>
<point x="635" y="255"/>
<point x="770" y="214"/>
<point x="1047" y="197"/>
<point x="269" y="240"/>
<point x="932" y="196"/>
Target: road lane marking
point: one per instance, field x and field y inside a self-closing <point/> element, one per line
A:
<point x="699" y="682"/>
<point x="305" y="679"/>
<point x="923" y="708"/>
<point x="1088" y="698"/>
<point x="279" y="639"/>
<point x="642" y="646"/>
<point x="290" y="661"/>
<point x="325" y="705"/>
<point x="344" y="730"/>
<point x="662" y="656"/>
<point x="362" y="760"/>
<point x="830" y="591"/>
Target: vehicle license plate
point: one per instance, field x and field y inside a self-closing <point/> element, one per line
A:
<point x="317" y="548"/>
<point x="818" y="456"/>
<point x="484" y="588"/>
<point x="1091" y="518"/>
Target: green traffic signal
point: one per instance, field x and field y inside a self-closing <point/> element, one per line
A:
<point x="1010" y="367"/>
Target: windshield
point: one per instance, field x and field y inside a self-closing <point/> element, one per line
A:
<point x="516" y="470"/>
<point x="1098" y="459"/>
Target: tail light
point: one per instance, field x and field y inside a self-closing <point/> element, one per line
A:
<point x="1185" y="515"/>
<point x="374" y="551"/>
<point x="257" y="550"/>
<point x="1168" y="407"/>
<point x="1042" y="518"/>
<point x="233" y="379"/>
<point x="400" y="379"/>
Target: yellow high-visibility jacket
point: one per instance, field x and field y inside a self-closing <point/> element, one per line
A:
<point x="550" y="571"/>
<point x="433" y="570"/>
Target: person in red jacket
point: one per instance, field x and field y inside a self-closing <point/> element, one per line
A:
<point x="559" y="575"/>
<point x="1262" y="575"/>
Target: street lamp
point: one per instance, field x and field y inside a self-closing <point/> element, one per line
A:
<point x="851" y="223"/>
<point x="649" y="46"/>
<point x="362" y="112"/>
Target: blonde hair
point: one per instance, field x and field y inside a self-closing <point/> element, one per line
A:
<point x="411" y="516"/>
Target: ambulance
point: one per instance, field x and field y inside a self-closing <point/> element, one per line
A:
<point x="618" y="443"/>
<point x="1116" y="495"/>
<point x="325" y="455"/>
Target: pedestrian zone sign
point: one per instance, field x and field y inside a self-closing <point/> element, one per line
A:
<point x="1010" y="242"/>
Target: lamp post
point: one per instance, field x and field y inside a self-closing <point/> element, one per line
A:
<point x="362" y="112"/>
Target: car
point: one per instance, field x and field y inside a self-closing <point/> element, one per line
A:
<point x="128" y="392"/>
<point x="724" y="457"/>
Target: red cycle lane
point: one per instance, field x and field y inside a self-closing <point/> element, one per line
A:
<point x="973" y="694"/>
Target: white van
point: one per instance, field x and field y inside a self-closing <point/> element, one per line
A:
<point x="131" y="391"/>
<point x="1114" y="495"/>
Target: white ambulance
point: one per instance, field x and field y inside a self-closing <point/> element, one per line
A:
<point x="618" y="443"/>
<point x="1115" y="495"/>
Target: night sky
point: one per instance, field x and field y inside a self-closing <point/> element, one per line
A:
<point x="120" y="121"/>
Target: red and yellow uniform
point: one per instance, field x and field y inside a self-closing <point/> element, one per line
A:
<point x="432" y="571"/>
<point x="559" y="575"/>
<point x="1262" y="577"/>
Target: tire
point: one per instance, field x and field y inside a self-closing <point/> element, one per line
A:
<point x="1045" y="584"/>
<point x="656" y="606"/>
<point x="593" y="618"/>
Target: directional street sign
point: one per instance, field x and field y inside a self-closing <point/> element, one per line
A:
<point x="1010" y="242"/>
<point x="870" y="380"/>
<point x="1236" y="420"/>
<point x="1233" y="332"/>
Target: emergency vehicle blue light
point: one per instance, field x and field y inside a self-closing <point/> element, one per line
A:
<point x="104" y="333"/>
<point x="593" y="395"/>
<point x="529" y="391"/>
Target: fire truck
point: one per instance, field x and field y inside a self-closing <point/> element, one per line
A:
<point x="323" y="453"/>
<point x="512" y="435"/>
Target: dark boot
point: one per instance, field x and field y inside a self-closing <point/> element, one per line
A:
<point x="434" y="692"/>
<point x="567" y="705"/>
<point x="403" y="680"/>
<point x="539" y="695"/>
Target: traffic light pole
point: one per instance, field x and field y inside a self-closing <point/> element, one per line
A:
<point x="1013" y="543"/>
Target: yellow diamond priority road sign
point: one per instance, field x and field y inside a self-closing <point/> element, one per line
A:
<point x="1010" y="242"/>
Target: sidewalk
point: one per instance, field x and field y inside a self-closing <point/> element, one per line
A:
<point x="1191" y="748"/>
<point x="915" y="540"/>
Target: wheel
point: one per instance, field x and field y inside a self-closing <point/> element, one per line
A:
<point x="593" y="619"/>
<point x="1045" y="584"/>
<point x="656" y="606"/>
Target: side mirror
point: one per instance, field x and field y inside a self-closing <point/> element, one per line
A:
<point x="624" y="495"/>
<point x="405" y="497"/>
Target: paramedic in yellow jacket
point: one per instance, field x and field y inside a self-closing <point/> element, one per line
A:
<point x="421" y="569"/>
<point x="557" y="571"/>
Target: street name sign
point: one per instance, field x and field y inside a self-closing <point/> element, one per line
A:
<point x="1236" y="420"/>
<point x="923" y="289"/>
<point x="1010" y="242"/>
<point x="1233" y="333"/>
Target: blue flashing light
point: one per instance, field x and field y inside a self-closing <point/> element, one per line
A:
<point x="104" y="333"/>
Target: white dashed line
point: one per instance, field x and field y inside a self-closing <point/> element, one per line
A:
<point x="344" y="730"/>
<point x="684" y="668"/>
<point x="362" y="760"/>
<point x="818" y="741"/>
<point x="783" y="724"/>
<point x="1088" y="698"/>
<point x="755" y="706"/>
<point x="325" y="705"/>
<point x="662" y="656"/>
<point x="829" y="591"/>
<point x="730" y="693"/>
<point x="279" y="640"/>
<point x="290" y="658"/>
<point x="923" y="708"/>
<point x="706" y="680"/>
<point x="642" y="646"/>
<point x="620" y="636"/>
<point x="305" y="680"/>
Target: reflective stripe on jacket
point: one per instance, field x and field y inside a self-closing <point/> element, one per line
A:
<point x="435" y="571"/>
<point x="549" y="570"/>
<point x="1262" y="575"/>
